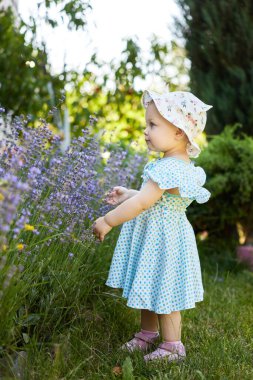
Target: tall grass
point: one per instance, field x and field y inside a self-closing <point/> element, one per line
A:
<point x="85" y="345"/>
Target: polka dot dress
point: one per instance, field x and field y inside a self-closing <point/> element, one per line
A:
<point x="156" y="260"/>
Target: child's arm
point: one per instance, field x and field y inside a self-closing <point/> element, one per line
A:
<point x="132" y="207"/>
<point x="132" y="192"/>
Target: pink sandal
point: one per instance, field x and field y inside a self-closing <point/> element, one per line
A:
<point x="169" y="351"/>
<point x="140" y="342"/>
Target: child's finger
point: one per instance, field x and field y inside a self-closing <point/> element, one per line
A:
<point x="101" y="237"/>
<point x="109" y="194"/>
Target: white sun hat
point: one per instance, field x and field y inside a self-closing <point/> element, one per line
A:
<point x="184" y="110"/>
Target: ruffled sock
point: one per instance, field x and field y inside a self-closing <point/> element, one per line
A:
<point x="140" y="343"/>
<point x="150" y="334"/>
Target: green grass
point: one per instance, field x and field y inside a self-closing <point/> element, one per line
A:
<point x="217" y="334"/>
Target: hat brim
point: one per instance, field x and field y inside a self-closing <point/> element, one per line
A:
<point x="193" y="149"/>
<point x="147" y="96"/>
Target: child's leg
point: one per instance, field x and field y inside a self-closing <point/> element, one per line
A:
<point x="170" y="325"/>
<point x="148" y="334"/>
<point x="149" y="320"/>
<point x="171" y="347"/>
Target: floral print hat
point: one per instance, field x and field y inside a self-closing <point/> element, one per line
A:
<point x="184" y="110"/>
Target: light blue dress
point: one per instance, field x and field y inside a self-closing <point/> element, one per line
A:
<point x="156" y="260"/>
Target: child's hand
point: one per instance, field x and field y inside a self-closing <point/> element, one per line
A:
<point x="118" y="195"/>
<point x="101" y="228"/>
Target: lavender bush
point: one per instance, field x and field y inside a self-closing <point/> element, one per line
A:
<point x="49" y="199"/>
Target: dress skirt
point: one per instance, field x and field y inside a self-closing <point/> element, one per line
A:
<point x="156" y="260"/>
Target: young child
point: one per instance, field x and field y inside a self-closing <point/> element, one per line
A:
<point x="156" y="260"/>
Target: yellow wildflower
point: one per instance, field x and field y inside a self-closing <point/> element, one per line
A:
<point x="1" y="197"/>
<point x="4" y="247"/>
<point x="28" y="227"/>
<point x="20" y="246"/>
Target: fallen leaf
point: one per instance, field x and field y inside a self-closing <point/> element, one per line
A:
<point x="117" y="370"/>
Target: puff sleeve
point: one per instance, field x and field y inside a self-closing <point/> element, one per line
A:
<point x="170" y="173"/>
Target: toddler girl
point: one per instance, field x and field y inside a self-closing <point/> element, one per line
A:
<point x="156" y="260"/>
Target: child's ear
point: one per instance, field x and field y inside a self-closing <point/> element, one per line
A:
<point x="180" y="133"/>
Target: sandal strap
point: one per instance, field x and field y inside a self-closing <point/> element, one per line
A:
<point x="142" y="336"/>
<point x="168" y="346"/>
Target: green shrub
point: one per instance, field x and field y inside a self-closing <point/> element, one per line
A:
<point x="228" y="162"/>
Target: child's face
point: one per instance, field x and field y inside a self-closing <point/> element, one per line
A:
<point x="160" y="134"/>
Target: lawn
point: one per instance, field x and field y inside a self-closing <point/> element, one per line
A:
<point x="217" y="334"/>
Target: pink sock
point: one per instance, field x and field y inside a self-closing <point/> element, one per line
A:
<point x="150" y="334"/>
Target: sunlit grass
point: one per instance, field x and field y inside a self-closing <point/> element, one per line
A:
<point x="217" y="333"/>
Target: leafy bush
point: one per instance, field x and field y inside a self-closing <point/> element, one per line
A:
<point x="228" y="162"/>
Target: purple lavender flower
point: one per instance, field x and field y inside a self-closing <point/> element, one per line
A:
<point x="61" y="191"/>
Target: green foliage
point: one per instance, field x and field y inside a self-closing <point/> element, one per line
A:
<point x="74" y="10"/>
<point x="114" y="97"/>
<point x="11" y="294"/>
<point x="219" y="44"/>
<point x="25" y="73"/>
<point x="24" y="70"/>
<point x="228" y="162"/>
<point x="127" y="369"/>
